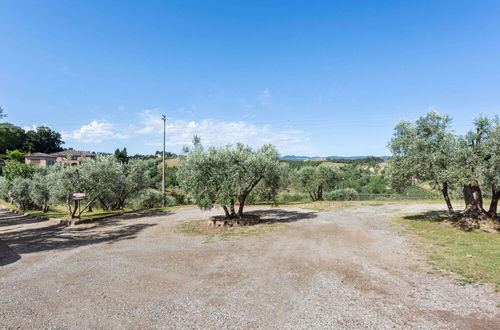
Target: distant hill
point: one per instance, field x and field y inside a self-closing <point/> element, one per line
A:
<point x="303" y="158"/>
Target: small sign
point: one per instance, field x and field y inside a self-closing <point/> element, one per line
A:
<point x="78" y="196"/>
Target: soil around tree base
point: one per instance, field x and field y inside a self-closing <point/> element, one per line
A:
<point x="222" y="221"/>
<point x="471" y="219"/>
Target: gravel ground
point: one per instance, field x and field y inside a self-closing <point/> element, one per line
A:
<point x="340" y="269"/>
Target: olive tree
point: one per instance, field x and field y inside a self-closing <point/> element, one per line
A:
<point x="316" y="180"/>
<point x="225" y="176"/>
<point x="427" y="150"/>
<point x="424" y="151"/>
<point x="477" y="167"/>
<point x="130" y="179"/>
<point x="94" y="177"/>
<point x="491" y="172"/>
<point x="40" y="187"/>
<point x="20" y="193"/>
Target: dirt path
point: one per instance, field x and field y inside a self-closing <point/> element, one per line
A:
<point x="340" y="269"/>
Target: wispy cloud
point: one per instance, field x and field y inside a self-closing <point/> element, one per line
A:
<point x="180" y="132"/>
<point x="213" y="132"/>
<point x="95" y="132"/>
<point x="265" y="97"/>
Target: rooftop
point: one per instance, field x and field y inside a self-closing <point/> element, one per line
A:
<point x="39" y="154"/>
<point x="65" y="153"/>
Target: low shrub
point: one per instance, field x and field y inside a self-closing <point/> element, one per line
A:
<point x="292" y="197"/>
<point x="20" y="193"/>
<point x="346" y="194"/>
<point x="153" y="198"/>
<point x="4" y="189"/>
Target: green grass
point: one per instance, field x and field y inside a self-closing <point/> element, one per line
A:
<point x="474" y="255"/>
<point x="60" y="212"/>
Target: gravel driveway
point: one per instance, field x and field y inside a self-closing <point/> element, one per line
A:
<point x="340" y="269"/>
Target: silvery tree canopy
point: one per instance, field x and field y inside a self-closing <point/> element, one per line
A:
<point x="225" y="176"/>
<point x="429" y="151"/>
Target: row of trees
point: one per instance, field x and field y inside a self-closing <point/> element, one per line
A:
<point x="227" y="176"/>
<point x="427" y="150"/>
<point x="108" y="183"/>
<point x="40" y="139"/>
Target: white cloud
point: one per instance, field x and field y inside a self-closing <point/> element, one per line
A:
<point x="213" y="132"/>
<point x="31" y="128"/>
<point x="265" y="97"/>
<point x="95" y="132"/>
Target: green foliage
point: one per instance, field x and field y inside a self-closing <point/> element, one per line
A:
<point x="131" y="178"/>
<point x="11" y="137"/>
<point x="490" y="173"/>
<point x="427" y="150"/>
<point x="14" y="169"/>
<point x="292" y="197"/>
<point x="153" y="198"/>
<point x="364" y="179"/>
<point x="315" y="180"/>
<point x="477" y="157"/>
<point x="20" y="193"/>
<point x="416" y="192"/>
<point x="40" y="188"/>
<point x="121" y="155"/>
<point x="43" y="139"/>
<point x="5" y="189"/>
<point x="15" y="155"/>
<point x="226" y="175"/>
<point x="422" y="151"/>
<point x="346" y="194"/>
<point x="103" y="179"/>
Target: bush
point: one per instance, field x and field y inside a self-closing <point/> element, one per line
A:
<point x="4" y="189"/>
<point x="40" y="190"/>
<point x="291" y="197"/>
<point x="346" y="194"/>
<point x="153" y="198"/>
<point x="15" y="170"/>
<point x="179" y="196"/>
<point x="20" y="193"/>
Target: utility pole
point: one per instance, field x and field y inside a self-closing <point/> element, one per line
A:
<point x="164" y="118"/>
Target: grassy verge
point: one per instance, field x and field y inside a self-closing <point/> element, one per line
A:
<point x="474" y="255"/>
<point x="201" y="228"/>
<point x="60" y="212"/>
<point x="323" y="206"/>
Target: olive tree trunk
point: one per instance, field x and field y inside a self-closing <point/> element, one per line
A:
<point x="474" y="212"/>
<point x="495" y="196"/>
<point x="446" y="196"/>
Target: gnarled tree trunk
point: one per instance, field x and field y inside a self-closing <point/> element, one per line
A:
<point x="474" y="212"/>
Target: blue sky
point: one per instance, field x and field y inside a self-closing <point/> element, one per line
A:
<point x="313" y="78"/>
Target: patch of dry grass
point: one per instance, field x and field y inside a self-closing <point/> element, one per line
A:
<point x="323" y="206"/>
<point x="211" y="233"/>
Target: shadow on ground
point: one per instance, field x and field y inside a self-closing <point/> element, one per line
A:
<point x="7" y="256"/>
<point x="60" y="236"/>
<point x="282" y="216"/>
<point x="429" y="216"/>
<point x="109" y="220"/>
<point x="13" y="219"/>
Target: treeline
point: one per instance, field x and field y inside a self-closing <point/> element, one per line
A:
<point x="41" y="139"/>
<point x="107" y="183"/>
